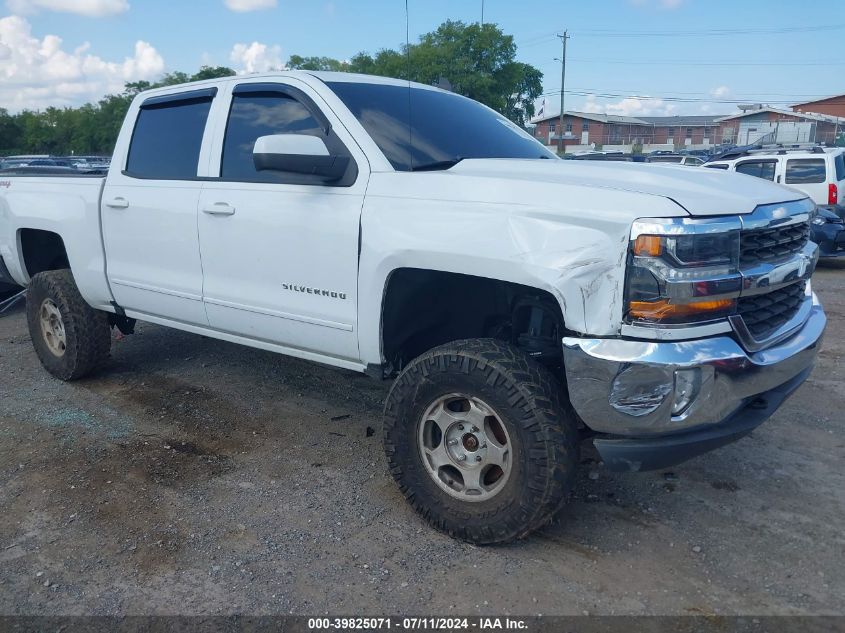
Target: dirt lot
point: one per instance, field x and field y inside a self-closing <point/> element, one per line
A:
<point x="194" y="476"/>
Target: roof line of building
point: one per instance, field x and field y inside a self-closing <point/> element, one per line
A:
<point x="649" y="121"/>
<point x="828" y="118"/>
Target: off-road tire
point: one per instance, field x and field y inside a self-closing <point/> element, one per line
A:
<point x="536" y="414"/>
<point x="87" y="331"/>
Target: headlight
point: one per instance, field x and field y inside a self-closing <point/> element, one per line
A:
<point x="819" y="220"/>
<point x="689" y="274"/>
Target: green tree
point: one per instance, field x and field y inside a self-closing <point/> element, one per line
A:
<point x="478" y="60"/>
<point x="216" y="72"/>
<point x="296" y="62"/>
<point x="10" y="133"/>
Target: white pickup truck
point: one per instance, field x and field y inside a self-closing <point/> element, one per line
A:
<point x="522" y="303"/>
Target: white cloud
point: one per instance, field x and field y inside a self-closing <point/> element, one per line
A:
<point x="720" y="92"/>
<point x="243" y="6"/>
<point x="630" y="107"/>
<point x="256" y="57"/>
<point x="90" y="8"/>
<point x="37" y="73"/>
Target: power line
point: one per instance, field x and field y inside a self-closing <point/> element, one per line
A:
<point x="674" y="99"/>
<point x="549" y="36"/>
<point x="694" y="62"/>
<point x="747" y="95"/>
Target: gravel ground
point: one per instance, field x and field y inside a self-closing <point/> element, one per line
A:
<point x="193" y="476"/>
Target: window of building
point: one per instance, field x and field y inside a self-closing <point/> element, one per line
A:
<point x="764" y="169"/>
<point x="670" y="132"/>
<point x="585" y="126"/>
<point x="552" y="128"/>
<point x="569" y="127"/>
<point x="689" y="132"/>
<point x="167" y="137"/>
<point x="805" y="171"/>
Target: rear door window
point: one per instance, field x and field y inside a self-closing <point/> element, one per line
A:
<point x="168" y="135"/>
<point x="764" y="169"/>
<point x="805" y="171"/>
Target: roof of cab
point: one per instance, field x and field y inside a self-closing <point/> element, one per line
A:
<point x="324" y="76"/>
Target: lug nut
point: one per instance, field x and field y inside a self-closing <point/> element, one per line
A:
<point x="478" y="458"/>
<point x="460" y="427"/>
<point x="474" y="429"/>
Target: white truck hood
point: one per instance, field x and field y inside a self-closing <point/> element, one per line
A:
<point x="700" y="191"/>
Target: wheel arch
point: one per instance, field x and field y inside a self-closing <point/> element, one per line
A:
<point x="459" y="306"/>
<point x="41" y="250"/>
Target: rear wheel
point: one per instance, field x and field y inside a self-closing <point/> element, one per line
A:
<point x="70" y="337"/>
<point x="480" y="440"/>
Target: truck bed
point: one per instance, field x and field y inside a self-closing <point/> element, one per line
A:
<point x="65" y="204"/>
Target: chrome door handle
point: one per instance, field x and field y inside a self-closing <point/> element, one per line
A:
<point x="219" y="208"/>
<point x="118" y="203"/>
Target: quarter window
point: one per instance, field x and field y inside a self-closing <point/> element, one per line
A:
<point x="805" y="171"/>
<point x="764" y="169"/>
<point x="167" y="139"/>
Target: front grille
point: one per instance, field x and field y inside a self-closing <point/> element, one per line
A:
<point x="763" y="314"/>
<point x="765" y="245"/>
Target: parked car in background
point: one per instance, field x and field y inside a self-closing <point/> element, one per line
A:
<point x="51" y="162"/>
<point x="814" y="171"/>
<point x="677" y="159"/>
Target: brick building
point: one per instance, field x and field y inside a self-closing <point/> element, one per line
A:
<point x="832" y="106"/>
<point x="587" y="128"/>
<point x="753" y="125"/>
<point x="763" y="124"/>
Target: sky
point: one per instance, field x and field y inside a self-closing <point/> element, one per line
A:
<point x="631" y="57"/>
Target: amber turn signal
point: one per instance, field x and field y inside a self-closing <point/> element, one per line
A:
<point x="648" y="246"/>
<point x="662" y="309"/>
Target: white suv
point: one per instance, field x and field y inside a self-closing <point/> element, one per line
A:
<point x="816" y="171"/>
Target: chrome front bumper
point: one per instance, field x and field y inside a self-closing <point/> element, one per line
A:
<point x="626" y="388"/>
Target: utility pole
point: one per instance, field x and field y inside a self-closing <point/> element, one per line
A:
<point x="482" y="12"/>
<point x="563" y="38"/>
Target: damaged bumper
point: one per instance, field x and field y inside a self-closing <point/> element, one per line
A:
<point x="656" y="404"/>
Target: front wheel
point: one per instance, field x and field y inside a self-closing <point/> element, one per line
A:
<point x="480" y="440"/>
<point x="70" y="337"/>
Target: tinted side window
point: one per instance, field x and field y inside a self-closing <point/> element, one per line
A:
<point x="261" y="114"/>
<point x="255" y="114"/>
<point x="166" y="140"/>
<point x="717" y="166"/>
<point x="807" y="170"/>
<point x="759" y="168"/>
<point x="840" y="167"/>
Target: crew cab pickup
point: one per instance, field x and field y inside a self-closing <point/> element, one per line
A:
<point x="523" y="304"/>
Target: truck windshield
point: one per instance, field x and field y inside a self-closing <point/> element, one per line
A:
<point x="420" y="129"/>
